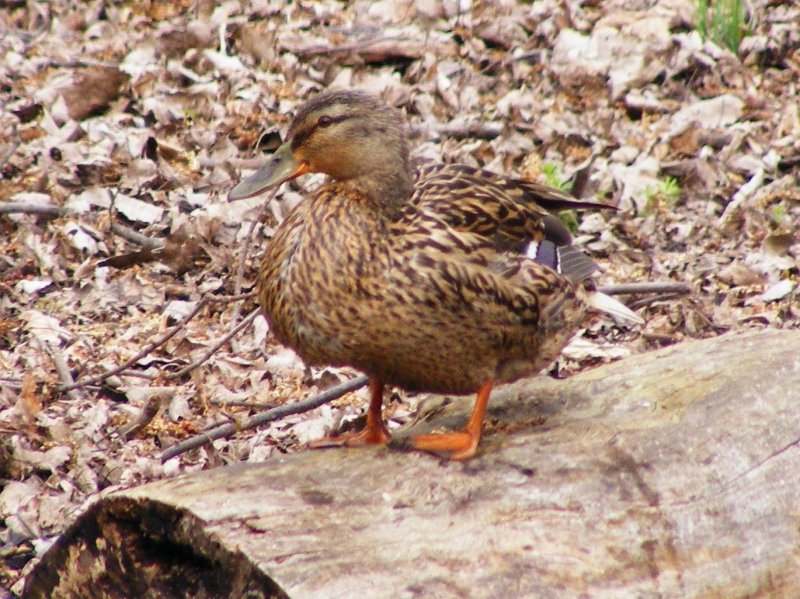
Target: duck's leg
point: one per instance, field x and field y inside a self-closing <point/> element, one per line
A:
<point x="374" y="433"/>
<point x="460" y="445"/>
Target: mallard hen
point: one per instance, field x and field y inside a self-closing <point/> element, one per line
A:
<point x="445" y="279"/>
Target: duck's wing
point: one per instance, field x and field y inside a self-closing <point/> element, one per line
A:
<point x="515" y="189"/>
<point x="514" y="215"/>
<point x="504" y="220"/>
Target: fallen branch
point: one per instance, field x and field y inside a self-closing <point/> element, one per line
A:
<point x="215" y="299"/>
<point x="50" y="210"/>
<point x="57" y="211"/>
<point x="208" y="299"/>
<point x="240" y="267"/>
<point x="375" y="50"/>
<point x="130" y="235"/>
<point x="241" y="403"/>
<point x="142" y="353"/>
<point x="62" y="369"/>
<point x="137" y="375"/>
<point x="744" y="193"/>
<point x="156" y="398"/>
<point x="482" y="130"/>
<point x="637" y="288"/>
<point x="25" y="208"/>
<point x="183" y="371"/>
<point x="649" y="301"/>
<point x="298" y="407"/>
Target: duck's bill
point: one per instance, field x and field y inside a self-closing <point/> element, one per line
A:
<point x="281" y="167"/>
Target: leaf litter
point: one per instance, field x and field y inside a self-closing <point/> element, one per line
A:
<point x="122" y="127"/>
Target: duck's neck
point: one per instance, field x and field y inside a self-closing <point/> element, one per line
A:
<point x="390" y="186"/>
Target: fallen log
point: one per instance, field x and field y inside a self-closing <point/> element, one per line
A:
<point x="667" y="474"/>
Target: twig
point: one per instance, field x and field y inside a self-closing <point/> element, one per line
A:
<point x="183" y="371"/>
<point x="744" y="193"/>
<point x="483" y="130"/>
<point x="62" y="369"/>
<point x="241" y="403"/>
<point x="297" y="407"/>
<point x="159" y="342"/>
<point x="49" y="210"/>
<point x="237" y="286"/>
<point x="646" y="301"/>
<point x="156" y="397"/>
<point x="24" y="208"/>
<point x="369" y="50"/>
<point x="636" y="288"/>
<point x="142" y="353"/>
<point x="136" y="237"/>
<point x="137" y="375"/>
<point x="230" y="298"/>
<point x="82" y="63"/>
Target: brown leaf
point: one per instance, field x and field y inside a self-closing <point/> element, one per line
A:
<point x="29" y="400"/>
<point x="685" y="143"/>
<point x="181" y="252"/>
<point x="91" y="90"/>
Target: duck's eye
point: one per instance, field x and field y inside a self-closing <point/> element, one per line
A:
<point x="324" y="121"/>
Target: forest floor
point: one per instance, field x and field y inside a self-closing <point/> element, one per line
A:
<point x="123" y="126"/>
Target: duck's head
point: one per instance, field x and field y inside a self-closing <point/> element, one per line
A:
<point x="348" y="135"/>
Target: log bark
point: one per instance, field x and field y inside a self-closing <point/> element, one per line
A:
<point x="669" y="474"/>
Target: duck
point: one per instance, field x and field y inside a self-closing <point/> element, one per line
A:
<point x="439" y="278"/>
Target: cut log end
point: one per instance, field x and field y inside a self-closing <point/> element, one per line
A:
<point x="123" y="548"/>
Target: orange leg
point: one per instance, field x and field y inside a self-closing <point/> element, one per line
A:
<point x="375" y="433"/>
<point x="460" y="445"/>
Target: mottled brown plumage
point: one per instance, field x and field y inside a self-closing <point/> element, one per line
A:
<point x="419" y="278"/>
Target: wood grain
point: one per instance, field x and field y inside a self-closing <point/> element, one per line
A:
<point x="667" y="474"/>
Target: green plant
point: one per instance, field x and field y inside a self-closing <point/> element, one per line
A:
<point x="670" y="189"/>
<point x="779" y="214"/>
<point x="723" y="21"/>
<point x="570" y="218"/>
<point x="666" y="192"/>
<point x="554" y="178"/>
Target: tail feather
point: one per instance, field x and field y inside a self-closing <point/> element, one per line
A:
<point x="608" y="305"/>
<point x="578" y="268"/>
<point x="564" y="259"/>
<point x="574" y="264"/>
